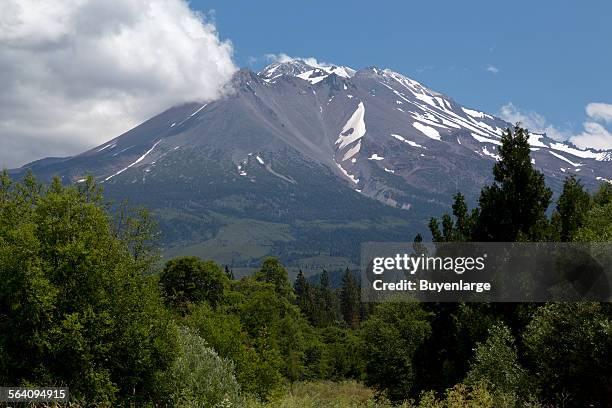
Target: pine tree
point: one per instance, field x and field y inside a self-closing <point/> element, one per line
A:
<point x="349" y="299"/>
<point x="514" y="206"/>
<point x="458" y="230"/>
<point x="229" y="273"/>
<point x="304" y="296"/>
<point x="572" y="208"/>
<point x="326" y="306"/>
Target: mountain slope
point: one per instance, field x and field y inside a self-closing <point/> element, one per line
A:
<point x="307" y="161"/>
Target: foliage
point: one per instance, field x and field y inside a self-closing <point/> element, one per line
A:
<point x="596" y="225"/>
<point x="391" y="336"/>
<point x="75" y="307"/>
<point x="570" y="349"/>
<point x="199" y="377"/>
<point x="187" y="280"/>
<point x="273" y="272"/>
<point x="514" y="206"/>
<point x="350" y="304"/>
<point x="496" y="364"/>
<point x="572" y="208"/>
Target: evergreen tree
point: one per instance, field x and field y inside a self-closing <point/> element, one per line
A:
<point x="350" y="304"/>
<point x="514" y="206"/>
<point x="572" y="208"/>
<point x="326" y="302"/>
<point x="229" y="273"/>
<point x="273" y="272"/>
<point x="458" y="230"/>
<point x="304" y="296"/>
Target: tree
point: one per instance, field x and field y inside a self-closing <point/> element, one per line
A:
<point x="273" y="272"/>
<point x="76" y="307"/>
<point x="572" y="207"/>
<point x="596" y="225"/>
<point x="229" y="273"/>
<point x="187" y="280"/>
<point x="350" y="303"/>
<point x="460" y="229"/>
<point x="569" y="346"/>
<point x="514" y="206"/>
<point x="198" y="376"/>
<point x="304" y="294"/>
<point x="391" y="336"/>
<point x="496" y="364"/>
<point x="326" y="302"/>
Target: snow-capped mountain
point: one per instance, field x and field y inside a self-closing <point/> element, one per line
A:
<point x="300" y="145"/>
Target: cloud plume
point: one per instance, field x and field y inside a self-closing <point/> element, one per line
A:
<point x="78" y="72"/>
<point x="594" y="134"/>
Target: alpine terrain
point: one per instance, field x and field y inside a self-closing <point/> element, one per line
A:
<point x="307" y="161"/>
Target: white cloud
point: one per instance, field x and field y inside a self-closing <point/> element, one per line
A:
<point x="600" y="111"/>
<point x="492" y="69"/>
<point x="533" y="121"/>
<point x="282" y="58"/>
<point x="78" y="72"/>
<point x="594" y="135"/>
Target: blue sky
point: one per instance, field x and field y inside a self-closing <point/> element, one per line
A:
<point x="549" y="59"/>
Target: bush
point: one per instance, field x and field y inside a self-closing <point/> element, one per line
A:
<point x="495" y="364"/>
<point x="199" y="377"/>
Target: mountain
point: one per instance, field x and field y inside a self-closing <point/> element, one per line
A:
<point x="305" y="161"/>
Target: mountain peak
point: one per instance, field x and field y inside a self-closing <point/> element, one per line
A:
<point x="308" y="69"/>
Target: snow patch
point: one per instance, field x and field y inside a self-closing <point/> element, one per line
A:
<point x="196" y="112"/>
<point x="490" y="154"/>
<point x="475" y="114"/>
<point x="354" y="128"/>
<point x="583" y="154"/>
<point x="483" y="139"/>
<point x="534" y="140"/>
<point x="346" y="173"/>
<point x="427" y="130"/>
<point x="410" y="142"/>
<point x="133" y="164"/>
<point x="108" y="146"/>
<point x="565" y="159"/>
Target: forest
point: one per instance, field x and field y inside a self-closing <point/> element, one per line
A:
<point x="87" y="302"/>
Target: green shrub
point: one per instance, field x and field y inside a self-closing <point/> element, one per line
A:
<point x="199" y="377"/>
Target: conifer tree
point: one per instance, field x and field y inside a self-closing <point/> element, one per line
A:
<point x="229" y="273"/>
<point x="349" y="299"/>
<point x="514" y="206"/>
<point x="304" y="296"/>
<point x="458" y="230"/>
<point x="326" y="302"/>
<point x="572" y="208"/>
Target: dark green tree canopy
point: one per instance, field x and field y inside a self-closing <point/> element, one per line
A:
<point x="189" y="279"/>
<point x="514" y="206"/>
<point x="75" y="306"/>
<point x="272" y="271"/>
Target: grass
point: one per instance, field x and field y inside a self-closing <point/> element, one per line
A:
<point x="322" y="394"/>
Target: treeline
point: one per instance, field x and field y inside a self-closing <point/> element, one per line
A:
<point x="80" y="307"/>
